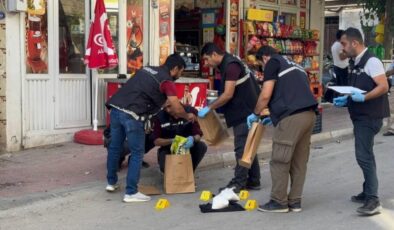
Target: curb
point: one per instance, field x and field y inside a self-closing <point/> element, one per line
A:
<point x="265" y="149"/>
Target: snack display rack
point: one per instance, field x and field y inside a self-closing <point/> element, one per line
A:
<point x="298" y="45"/>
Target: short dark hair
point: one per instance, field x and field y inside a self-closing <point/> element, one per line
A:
<point x="175" y="60"/>
<point x="265" y="51"/>
<point x="339" y="34"/>
<point x="354" y="34"/>
<point x="209" y="48"/>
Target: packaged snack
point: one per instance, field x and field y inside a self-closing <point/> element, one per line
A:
<point x="250" y="27"/>
<point x="177" y="146"/>
<point x="270" y="30"/>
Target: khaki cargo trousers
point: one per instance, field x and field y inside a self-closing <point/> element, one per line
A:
<point x="290" y="154"/>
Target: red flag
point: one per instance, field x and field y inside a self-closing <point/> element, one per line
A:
<point x="100" y="51"/>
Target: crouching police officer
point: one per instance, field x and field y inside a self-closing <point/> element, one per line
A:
<point x="132" y="107"/>
<point x="167" y="125"/>
<point x="287" y="94"/>
<point x="366" y="112"/>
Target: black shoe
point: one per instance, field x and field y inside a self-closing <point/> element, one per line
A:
<point x="388" y="133"/>
<point x="253" y="185"/>
<point x="360" y="198"/>
<point x="273" y="206"/>
<point x="145" y="164"/>
<point x="370" y="207"/>
<point x="295" y="207"/>
<point x="233" y="184"/>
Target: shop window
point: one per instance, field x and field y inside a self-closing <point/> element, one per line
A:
<point x="289" y="2"/>
<point x="71" y="36"/>
<point x="134" y="35"/>
<point x="112" y="7"/>
<point x="36" y="22"/>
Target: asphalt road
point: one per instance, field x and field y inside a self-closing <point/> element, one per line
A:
<point x="332" y="178"/>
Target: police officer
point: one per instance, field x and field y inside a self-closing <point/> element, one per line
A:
<point x="287" y="94"/>
<point x="240" y="93"/>
<point x="167" y="125"/>
<point x="131" y="108"/>
<point x="366" y="112"/>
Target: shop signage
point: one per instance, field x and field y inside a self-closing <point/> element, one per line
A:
<point x="260" y="15"/>
<point x="164" y="29"/>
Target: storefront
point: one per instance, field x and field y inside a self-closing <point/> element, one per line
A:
<point x="48" y="94"/>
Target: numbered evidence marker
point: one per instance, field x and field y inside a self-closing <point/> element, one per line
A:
<point x="244" y="195"/>
<point x="206" y="195"/>
<point x="162" y="204"/>
<point x="251" y="205"/>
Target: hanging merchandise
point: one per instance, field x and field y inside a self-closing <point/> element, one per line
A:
<point x="315" y="85"/>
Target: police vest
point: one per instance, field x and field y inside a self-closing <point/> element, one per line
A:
<point x="291" y="92"/>
<point x="245" y="95"/>
<point x="171" y="127"/>
<point x="141" y="94"/>
<point x="377" y="108"/>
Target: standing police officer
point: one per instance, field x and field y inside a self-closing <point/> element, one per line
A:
<point x="132" y="107"/>
<point x="287" y="94"/>
<point x="240" y="93"/>
<point x="366" y="112"/>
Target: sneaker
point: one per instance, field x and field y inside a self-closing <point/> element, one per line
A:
<point x="360" y="198"/>
<point x="233" y="184"/>
<point x="112" y="188"/>
<point x="253" y="185"/>
<point x="273" y="206"/>
<point x="295" y="207"/>
<point x="370" y="207"/>
<point x="138" y="197"/>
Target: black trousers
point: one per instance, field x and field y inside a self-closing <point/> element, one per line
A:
<point x="341" y="75"/>
<point x="197" y="153"/>
<point x="242" y="175"/>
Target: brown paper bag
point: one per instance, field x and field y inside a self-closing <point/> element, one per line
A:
<point x="178" y="174"/>
<point x="213" y="129"/>
<point x="252" y="143"/>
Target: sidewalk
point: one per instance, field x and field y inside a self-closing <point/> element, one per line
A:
<point x="65" y="166"/>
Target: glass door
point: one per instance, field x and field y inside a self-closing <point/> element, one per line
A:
<point x="72" y="81"/>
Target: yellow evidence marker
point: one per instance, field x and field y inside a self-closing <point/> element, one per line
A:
<point x="244" y="195"/>
<point x="251" y="205"/>
<point x="162" y="204"/>
<point x="206" y="195"/>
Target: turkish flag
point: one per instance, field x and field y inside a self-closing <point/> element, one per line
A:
<point x="100" y="51"/>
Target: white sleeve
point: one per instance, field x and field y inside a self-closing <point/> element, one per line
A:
<point x="374" y="67"/>
<point x="335" y="49"/>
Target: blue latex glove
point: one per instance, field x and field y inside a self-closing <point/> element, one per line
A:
<point x="203" y="112"/>
<point x="189" y="143"/>
<point x="340" y="101"/>
<point x="266" y="121"/>
<point x="357" y="96"/>
<point x="252" y="118"/>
